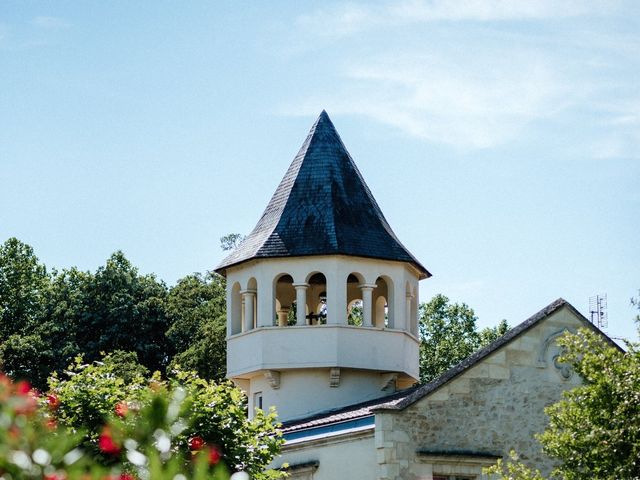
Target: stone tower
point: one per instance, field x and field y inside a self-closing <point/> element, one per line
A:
<point x="321" y="246"/>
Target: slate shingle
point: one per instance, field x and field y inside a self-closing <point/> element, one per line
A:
<point x="322" y="207"/>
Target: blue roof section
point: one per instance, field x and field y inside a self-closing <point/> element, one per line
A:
<point x="330" y="429"/>
<point x="322" y="207"/>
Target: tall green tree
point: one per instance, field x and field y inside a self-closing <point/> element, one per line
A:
<point x="120" y="309"/>
<point x="24" y="283"/>
<point x="196" y="306"/>
<point x="449" y="334"/>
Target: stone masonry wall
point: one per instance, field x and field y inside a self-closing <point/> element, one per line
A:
<point x="494" y="407"/>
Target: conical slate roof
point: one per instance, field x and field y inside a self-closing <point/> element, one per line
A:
<point x="322" y="207"/>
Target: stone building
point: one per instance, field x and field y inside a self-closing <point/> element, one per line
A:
<point x="345" y="392"/>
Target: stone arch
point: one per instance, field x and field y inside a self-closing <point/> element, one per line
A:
<point x="284" y="296"/>
<point x="383" y="311"/>
<point x="236" y="309"/>
<point x="354" y="298"/>
<point x="316" y="298"/>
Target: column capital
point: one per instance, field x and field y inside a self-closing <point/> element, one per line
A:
<point x="248" y="292"/>
<point x="300" y="285"/>
<point x="367" y="286"/>
<point x="410" y="295"/>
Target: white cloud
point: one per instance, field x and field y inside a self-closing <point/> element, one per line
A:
<point x="463" y="102"/>
<point x="50" y="22"/>
<point x="349" y="18"/>
<point x="421" y="67"/>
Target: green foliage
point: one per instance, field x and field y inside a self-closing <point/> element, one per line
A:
<point x="595" y="429"/>
<point x="231" y="241"/>
<point x="449" y="334"/>
<point x="27" y="356"/>
<point x="513" y="469"/>
<point x="24" y="284"/>
<point x="356" y="314"/>
<point x="151" y="439"/>
<point x="196" y="306"/>
<point x="47" y="319"/>
<point x="123" y="310"/>
<point x="490" y="334"/>
<point x="218" y="415"/>
<point x="91" y="394"/>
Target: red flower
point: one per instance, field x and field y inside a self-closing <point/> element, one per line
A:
<point x="52" y="424"/>
<point x="106" y="443"/>
<point x="54" y="476"/>
<point x="122" y="409"/>
<point x="196" y="443"/>
<point x="126" y="476"/>
<point x="215" y="454"/>
<point x="53" y="401"/>
<point x="23" y="387"/>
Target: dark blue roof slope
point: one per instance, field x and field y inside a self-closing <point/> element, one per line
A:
<point x="322" y="207"/>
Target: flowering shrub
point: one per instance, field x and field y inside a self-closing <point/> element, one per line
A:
<point x="95" y="426"/>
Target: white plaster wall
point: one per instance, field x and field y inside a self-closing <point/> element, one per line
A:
<point x="340" y="458"/>
<point x="306" y="392"/>
<point x="281" y="348"/>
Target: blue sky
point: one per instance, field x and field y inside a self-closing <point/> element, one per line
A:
<point x="501" y="139"/>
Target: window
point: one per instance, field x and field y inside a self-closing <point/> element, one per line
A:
<point x="257" y="400"/>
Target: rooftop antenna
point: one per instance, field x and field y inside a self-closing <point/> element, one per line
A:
<point x="598" y="311"/>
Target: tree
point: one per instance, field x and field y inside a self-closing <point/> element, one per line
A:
<point x="594" y="430"/>
<point x="231" y="241"/>
<point x="24" y="284"/>
<point x="448" y="335"/>
<point x="196" y="306"/>
<point x="119" y="309"/>
<point x="491" y="334"/>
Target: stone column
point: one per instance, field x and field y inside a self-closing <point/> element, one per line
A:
<point x="283" y="315"/>
<point x="249" y="300"/>
<point x="367" y="303"/>
<point x="409" y="322"/>
<point x="301" y="303"/>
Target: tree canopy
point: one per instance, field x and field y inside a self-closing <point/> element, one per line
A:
<point x="48" y="318"/>
<point x="449" y="334"/>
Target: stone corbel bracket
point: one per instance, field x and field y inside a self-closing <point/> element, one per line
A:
<point x="334" y="377"/>
<point x="273" y="377"/>
<point x="388" y="380"/>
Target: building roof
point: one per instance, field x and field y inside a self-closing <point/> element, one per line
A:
<point x="405" y="398"/>
<point x="322" y="207"/>
<point x="344" y="414"/>
<point x="479" y="355"/>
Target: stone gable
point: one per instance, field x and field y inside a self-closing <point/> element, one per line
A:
<point x="492" y="407"/>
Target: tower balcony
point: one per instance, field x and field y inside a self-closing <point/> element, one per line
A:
<point x="322" y="346"/>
